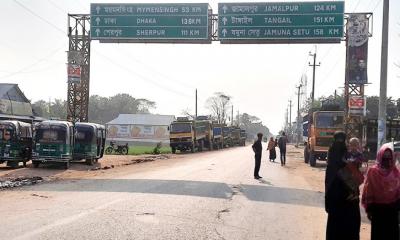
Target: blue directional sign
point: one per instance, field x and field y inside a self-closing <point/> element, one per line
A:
<point x="287" y="21"/>
<point x="164" y="21"/>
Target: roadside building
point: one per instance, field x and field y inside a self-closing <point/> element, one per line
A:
<point x="14" y="105"/>
<point x="140" y="128"/>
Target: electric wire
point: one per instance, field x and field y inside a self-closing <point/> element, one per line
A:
<point x="143" y="77"/>
<point x="41" y="18"/>
<point x="376" y="5"/>
<point x="21" y="70"/>
<point x="56" y="6"/>
<point x="117" y="64"/>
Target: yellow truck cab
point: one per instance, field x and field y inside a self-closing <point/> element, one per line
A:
<point x="189" y="135"/>
<point x="321" y="127"/>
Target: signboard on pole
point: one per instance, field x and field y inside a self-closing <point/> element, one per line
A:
<point x="357" y="105"/>
<point x="158" y="22"/>
<point x="281" y="22"/>
<point x="357" y="48"/>
<point x="74" y="73"/>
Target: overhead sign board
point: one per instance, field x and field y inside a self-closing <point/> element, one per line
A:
<point x="163" y="22"/>
<point x="281" y="21"/>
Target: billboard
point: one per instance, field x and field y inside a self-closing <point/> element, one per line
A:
<point x="357" y="49"/>
<point x="116" y="131"/>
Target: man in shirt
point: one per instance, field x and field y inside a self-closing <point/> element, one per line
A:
<point x="282" y="148"/>
<point x="257" y="148"/>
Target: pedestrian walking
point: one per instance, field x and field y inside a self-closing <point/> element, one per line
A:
<point x="282" y="148"/>
<point x="271" y="149"/>
<point x="257" y="148"/>
<point x="381" y="196"/>
<point x="341" y="201"/>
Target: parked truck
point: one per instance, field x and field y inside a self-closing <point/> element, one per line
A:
<point x="226" y="132"/>
<point x="218" y="138"/>
<point x="191" y="135"/>
<point x="235" y="135"/>
<point x="243" y="137"/>
<point x="320" y="128"/>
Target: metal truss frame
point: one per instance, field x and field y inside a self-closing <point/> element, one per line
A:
<point x="78" y="93"/>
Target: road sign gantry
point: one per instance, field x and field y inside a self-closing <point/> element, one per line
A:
<point x="281" y="22"/>
<point x="150" y="22"/>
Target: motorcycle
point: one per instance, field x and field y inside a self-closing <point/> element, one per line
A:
<point x="118" y="149"/>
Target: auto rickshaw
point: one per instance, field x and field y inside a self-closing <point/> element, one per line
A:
<point x="90" y="141"/>
<point x="54" y="142"/>
<point x="15" y="142"/>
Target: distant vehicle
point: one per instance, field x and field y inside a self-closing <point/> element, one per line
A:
<point x="370" y="134"/>
<point x="235" y="133"/>
<point x="191" y="135"/>
<point x="15" y="142"/>
<point x="90" y="141"/>
<point x="218" y="138"/>
<point x="117" y="148"/>
<point x="243" y="137"/>
<point x="226" y="132"/>
<point x="54" y="142"/>
<point x="320" y="133"/>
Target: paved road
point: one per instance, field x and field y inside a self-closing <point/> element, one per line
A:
<point x="199" y="196"/>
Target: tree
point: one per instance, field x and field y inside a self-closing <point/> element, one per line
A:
<point x="41" y="108"/>
<point x="101" y="109"/>
<point x="187" y="113"/>
<point x="219" y="105"/>
<point x="145" y="105"/>
<point x="253" y="125"/>
<point x="58" y="109"/>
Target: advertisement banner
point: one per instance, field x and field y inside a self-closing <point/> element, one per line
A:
<point x="357" y="49"/>
<point x="138" y="132"/>
<point x="74" y="73"/>
<point x="357" y="105"/>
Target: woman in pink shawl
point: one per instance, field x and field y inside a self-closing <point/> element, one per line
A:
<point x="381" y="196"/>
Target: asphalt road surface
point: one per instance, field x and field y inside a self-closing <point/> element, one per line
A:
<point x="209" y="195"/>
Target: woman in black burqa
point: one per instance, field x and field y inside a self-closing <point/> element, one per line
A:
<point x="341" y="203"/>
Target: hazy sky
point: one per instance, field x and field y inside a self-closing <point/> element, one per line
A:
<point x="260" y="78"/>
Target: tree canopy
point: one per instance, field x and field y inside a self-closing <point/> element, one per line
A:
<point x="101" y="109"/>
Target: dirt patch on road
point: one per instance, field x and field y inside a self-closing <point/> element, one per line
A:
<point x="11" y="178"/>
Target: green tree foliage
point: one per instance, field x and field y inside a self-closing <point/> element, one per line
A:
<point x="101" y="109"/>
<point x="392" y="107"/>
<point x="219" y="104"/>
<point x="253" y="125"/>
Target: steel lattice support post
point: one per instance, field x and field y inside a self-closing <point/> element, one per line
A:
<point x="79" y="41"/>
<point x="357" y="34"/>
<point x="353" y="123"/>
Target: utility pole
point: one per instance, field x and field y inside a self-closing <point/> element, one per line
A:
<point x="290" y="135"/>
<point x="383" y="82"/>
<point x="335" y="94"/>
<point x="314" y="65"/>
<point x="287" y="119"/>
<point x="290" y="112"/>
<point x="232" y="116"/>
<point x="238" y="123"/>
<point x="196" y="105"/>
<point x="298" y="115"/>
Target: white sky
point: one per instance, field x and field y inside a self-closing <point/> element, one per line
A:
<point x="260" y="78"/>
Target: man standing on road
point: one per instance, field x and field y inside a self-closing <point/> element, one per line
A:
<point x="257" y="148"/>
<point x="282" y="148"/>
